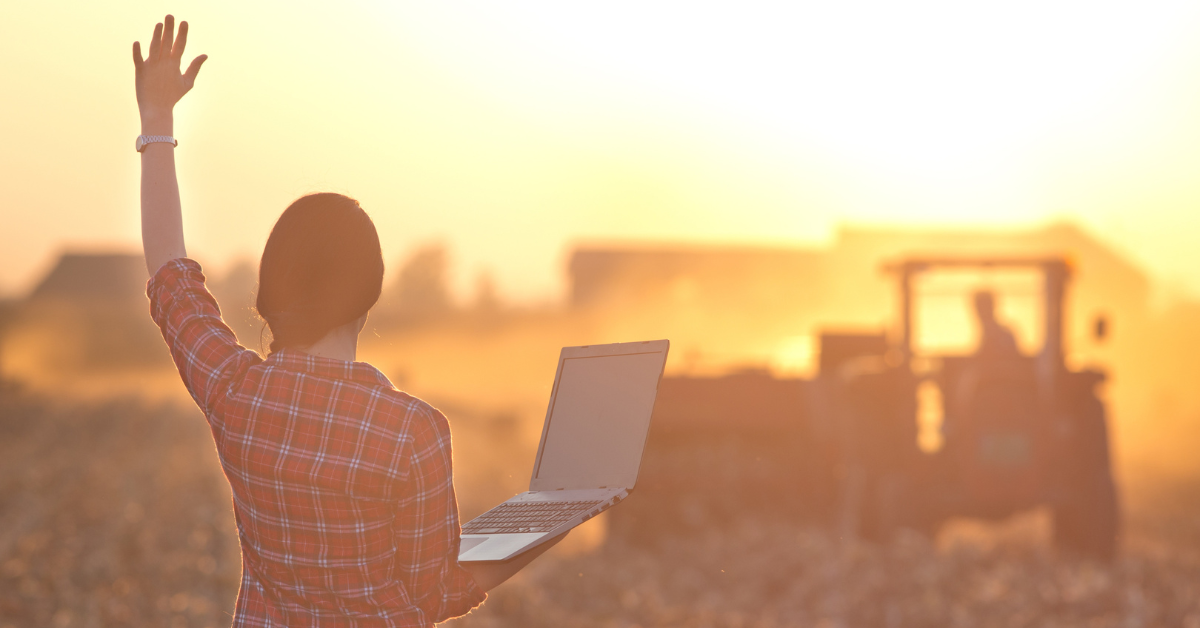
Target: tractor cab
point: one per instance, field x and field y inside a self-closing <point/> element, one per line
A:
<point x="966" y="319"/>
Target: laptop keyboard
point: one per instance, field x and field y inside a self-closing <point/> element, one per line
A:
<point x="514" y="517"/>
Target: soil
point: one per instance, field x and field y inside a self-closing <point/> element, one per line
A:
<point x="116" y="513"/>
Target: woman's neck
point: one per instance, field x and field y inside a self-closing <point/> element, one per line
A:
<point x="341" y="343"/>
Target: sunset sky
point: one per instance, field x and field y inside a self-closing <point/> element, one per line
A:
<point x="510" y="130"/>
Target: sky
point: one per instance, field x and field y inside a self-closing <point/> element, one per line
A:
<point x="509" y="131"/>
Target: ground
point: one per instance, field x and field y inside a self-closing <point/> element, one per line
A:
<point x="116" y="513"/>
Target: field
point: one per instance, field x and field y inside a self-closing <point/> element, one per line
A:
<point x="115" y="513"/>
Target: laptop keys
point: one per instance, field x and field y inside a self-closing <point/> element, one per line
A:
<point x="519" y="517"/>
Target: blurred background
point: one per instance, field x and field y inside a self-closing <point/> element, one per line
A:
<point x="735" y="177"/>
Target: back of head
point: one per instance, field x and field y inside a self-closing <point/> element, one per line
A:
<point x="322" y="268"/>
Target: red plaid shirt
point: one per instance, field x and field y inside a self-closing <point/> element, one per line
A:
<point x="342" y="486"/>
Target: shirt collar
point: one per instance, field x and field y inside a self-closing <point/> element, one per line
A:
<point x="293" y="360"/>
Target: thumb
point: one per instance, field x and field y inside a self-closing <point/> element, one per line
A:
<point x="194" y="69"/>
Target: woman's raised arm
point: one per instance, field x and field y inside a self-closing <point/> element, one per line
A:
<point x="160" y="85"/>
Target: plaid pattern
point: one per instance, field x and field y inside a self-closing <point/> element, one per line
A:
<point x="342" y="485"/>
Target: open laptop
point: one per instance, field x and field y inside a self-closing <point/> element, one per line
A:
<point x="590" y="452"/>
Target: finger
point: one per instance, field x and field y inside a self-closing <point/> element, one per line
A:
<point x="137" y="56"/>
<point x="168" y="36"/>
<point x="189" y="77"/>
<point x="180" y="41"/>
<point x="155" y="42"/>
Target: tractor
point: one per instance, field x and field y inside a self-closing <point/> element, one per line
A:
<point x="896" y="430"/>
<point x="926" y="433"/>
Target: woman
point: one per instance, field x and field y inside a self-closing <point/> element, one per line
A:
<point x="342" y="485"/>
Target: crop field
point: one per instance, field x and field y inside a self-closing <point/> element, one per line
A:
<point x="115" y="513"/>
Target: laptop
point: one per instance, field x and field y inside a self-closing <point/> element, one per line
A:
<point x="590" y="452"/>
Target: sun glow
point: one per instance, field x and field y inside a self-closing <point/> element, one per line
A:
<point x="511" y="130"/>
<point x="940" y="110"/>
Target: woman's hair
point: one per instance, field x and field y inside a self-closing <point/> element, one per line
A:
<point x="322" y="268"/>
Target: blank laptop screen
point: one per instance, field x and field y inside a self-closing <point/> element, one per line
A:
<point x="598" y="421"/>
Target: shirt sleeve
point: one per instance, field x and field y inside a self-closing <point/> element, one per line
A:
<point x="428" y="531"/>
<point x="204" y="349"/>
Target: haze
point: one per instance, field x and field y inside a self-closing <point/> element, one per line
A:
<point x="510" y="131"/>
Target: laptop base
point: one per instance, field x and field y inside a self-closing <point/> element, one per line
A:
<point x="506" y="546"/>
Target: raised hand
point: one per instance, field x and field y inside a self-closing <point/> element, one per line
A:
<point x="158" y="80"/>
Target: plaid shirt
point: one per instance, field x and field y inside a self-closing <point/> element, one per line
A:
<point x="342" y="486"/>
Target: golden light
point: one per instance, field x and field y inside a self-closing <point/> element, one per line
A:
<point x="512" y="130"/>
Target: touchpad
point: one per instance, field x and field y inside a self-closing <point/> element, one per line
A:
<point x="470" y="543"/>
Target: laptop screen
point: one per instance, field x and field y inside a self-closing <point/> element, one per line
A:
<point x="598" y="418"/>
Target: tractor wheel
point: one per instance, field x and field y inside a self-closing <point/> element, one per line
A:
<point x="1088" y="523"/>
<point x="1087" y="520"/>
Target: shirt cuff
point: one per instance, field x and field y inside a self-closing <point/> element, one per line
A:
<point x="168" y="280"/>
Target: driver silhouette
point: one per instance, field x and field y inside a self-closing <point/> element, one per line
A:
<point x="996" y="341"/>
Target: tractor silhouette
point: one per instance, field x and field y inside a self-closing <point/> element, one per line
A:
<point x="894" y="432"/>
<point x="1018" y="431"/>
